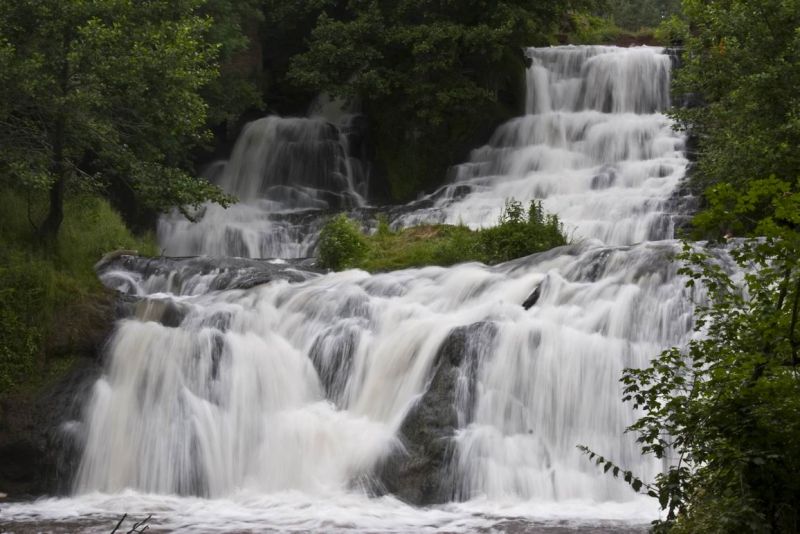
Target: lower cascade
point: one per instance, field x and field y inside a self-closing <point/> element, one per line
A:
<point x="309" y="382"/>
<point x="466" y="387"/>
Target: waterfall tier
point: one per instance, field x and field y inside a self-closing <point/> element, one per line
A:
<point x="283" y="171"/>
<point x="594" y="147"/>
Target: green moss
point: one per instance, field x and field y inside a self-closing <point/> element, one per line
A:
<point x="517" y="234"/>
<point x="41" y="287"/>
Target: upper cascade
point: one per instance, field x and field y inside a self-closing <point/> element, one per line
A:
<point x="593" y="146"/>
<point x="601" y="78"/>
<point x="298" y="161"/>
<point x="279" y="170"/>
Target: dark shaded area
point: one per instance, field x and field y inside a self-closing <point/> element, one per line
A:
<point x="40" y="431"/>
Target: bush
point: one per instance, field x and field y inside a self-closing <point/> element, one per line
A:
<point x="23" y="292"/>
<point x="518" y="235"/>
<point x="341" y="244"/>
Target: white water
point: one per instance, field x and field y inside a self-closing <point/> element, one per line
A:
<point x="276" y="403"/>
<point x="593" y="147"/>
<point x="283" y="171"/>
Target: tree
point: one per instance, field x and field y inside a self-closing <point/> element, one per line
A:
<point x="435" y="77"/>
<point x="636" y="14"/>
<point x="101" y="91"/>
<point x="742" y="58"/>
<point x="235" y="27"/>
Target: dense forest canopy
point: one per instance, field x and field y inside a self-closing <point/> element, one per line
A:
<point x="95" y="92"/>
<point x="434" y="77"/>
<point x="635" y="14"/>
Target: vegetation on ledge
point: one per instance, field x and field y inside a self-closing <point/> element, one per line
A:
<point x="343" y="245"/>
<point x="48" y="297"/>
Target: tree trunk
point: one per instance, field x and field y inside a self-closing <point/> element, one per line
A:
<point x="58" y="166"/>
<point x="55" y="214"/>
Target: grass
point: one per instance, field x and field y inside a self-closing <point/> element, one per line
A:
<point x="518" y="233"/>
<point x="47" y="290"/>
<point x="418" y="246"/>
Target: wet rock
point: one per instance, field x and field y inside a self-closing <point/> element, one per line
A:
<point x="176" y="274"/>
<point x="422" y="475"/>
<point x="533" y="298"/>
<point x="40" y="436"/>
<point x="604" y="179"/>
<point x="164" y="311"/>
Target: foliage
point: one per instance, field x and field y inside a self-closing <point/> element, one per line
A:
<point x="585" y="28"/>
<point x="37" y="287"/>
<point x="341" y="244"/>
<point x="636" y="14"/>
<point x="672" y="31"/>
<point x="592" y="29"/>
<point x="742" y="58"/>
<point x="432" y="75"/>
<point x="725" y="412"/>
<point x="21" y="293"/>
<point x="234" y="27"/>
<point x="287" y="28"/>
<point x="95" y="92"/>
<point x="517" y="234"/>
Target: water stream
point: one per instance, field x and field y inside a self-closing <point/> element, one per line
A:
<point x="261" y="395"/>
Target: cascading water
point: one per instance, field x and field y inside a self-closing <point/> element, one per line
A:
<point x="593" y="147"/>
<point x="269" y="388"/>
<point x="283" y="171"/>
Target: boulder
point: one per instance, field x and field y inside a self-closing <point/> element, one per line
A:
<point x="422" y="474"/>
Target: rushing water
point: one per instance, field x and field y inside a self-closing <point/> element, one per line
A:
<point x="594" y="147"/>
<point x="263" y="396"/>
<point x="284" y="171"/>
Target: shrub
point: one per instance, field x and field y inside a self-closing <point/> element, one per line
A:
<point x="341" y="244"/>
<point x="518" y="235"/>
<point x="24" y="289"/>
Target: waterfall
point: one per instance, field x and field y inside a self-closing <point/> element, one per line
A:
<point x="594" y="147"/>
<point x="283" y="171"/>
<point x="265" y="381"/>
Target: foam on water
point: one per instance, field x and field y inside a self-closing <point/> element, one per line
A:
<point x="299" y="512"/>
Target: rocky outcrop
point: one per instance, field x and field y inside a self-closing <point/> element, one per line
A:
<point x="421" y="474"/>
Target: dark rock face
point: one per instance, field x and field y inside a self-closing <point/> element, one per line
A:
<point x="533" y="298"/>
<point x="175" y="275"/>
<point x="40" y="436"/>
<point x="422" y="474"/>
